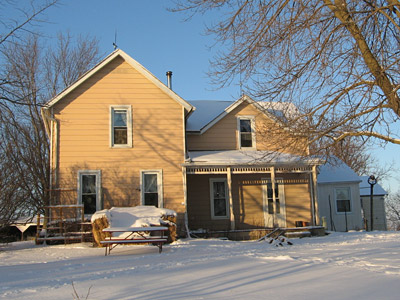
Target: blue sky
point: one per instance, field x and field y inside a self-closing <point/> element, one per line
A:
<point x="161" y="41"/>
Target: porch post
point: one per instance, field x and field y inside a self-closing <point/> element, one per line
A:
<point x="314" y="200"/>
<point x="273" y="194"/>
<point x="229" y="180"/>
<point x="185" y="201"/>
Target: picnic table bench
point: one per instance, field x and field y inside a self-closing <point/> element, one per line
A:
<point x="136" y="235"/>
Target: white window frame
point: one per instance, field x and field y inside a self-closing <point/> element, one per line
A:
<point x="99" y="202"/>
<point x="159" y="174"/>
<point x="128" y="109"/>
<point x="336" y="200"/>
<point x="213" y="216"/>
<point x="253" y="132"/>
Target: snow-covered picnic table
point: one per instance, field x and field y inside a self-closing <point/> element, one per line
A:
<point x="135" y="235"/>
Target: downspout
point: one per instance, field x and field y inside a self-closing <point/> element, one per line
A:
<point x="186" y="156"/>
<point x="51" y="132"/>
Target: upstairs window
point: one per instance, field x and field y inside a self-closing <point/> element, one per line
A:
<point x="121" y="126"/>
<point x="343" y="200"/>
<point x="246" y="132"/>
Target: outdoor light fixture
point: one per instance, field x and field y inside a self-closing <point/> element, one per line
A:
<point x="372" y="181"/>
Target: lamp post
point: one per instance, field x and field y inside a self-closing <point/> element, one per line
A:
<point x="372" y="181"/>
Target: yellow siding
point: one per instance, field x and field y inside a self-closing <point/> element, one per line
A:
<point x="298" y="199"/>
<point x="157" y="134"/>
<point x="269" y="136"/>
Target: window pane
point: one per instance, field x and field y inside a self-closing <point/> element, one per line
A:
<point x="151" y="199"/>
<point x="246" y="140"/>
<point x="270" y="206"/>
<point x="88" y="184"/>
<point x="220" y="207"/>
<point x="278" y="206"/>
<point x="269" y="190"/>
<point x="343" y="206"/>
<point x="89" y="203"/>
<point x="150" y="183"/>
<point x="245" y="126"/>
<point x="219" y="190"/>
<point x="343" y="194"/>
<point x="120" y="136"/>
<point x="119" y="118"/>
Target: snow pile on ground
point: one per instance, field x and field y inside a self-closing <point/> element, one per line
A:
<point x="354" y="265"/>
<point x="138" y="216"/>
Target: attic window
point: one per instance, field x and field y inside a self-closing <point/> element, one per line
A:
<point x="246" y="138"/>
<point x="121" y="126"/>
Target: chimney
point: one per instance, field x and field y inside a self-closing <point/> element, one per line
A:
<point x="169" y="79"/>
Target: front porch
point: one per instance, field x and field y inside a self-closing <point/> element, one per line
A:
<point x="232" y="198"/>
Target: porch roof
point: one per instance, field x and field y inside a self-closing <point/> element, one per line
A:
<point x="241" y="157"/>
<point x="247" y="161"/>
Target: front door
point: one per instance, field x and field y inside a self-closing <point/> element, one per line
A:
<point x="274" y="203"/>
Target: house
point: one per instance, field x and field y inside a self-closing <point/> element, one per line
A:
<point x="338" y="195"/>
<point x="120" y="137"/>
<point x="379" y="213"/>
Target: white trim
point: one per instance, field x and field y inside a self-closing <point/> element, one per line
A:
<point x="129" y="124"/>
<point x="99" y="204"/>
<point x="160" y="191"/>
<point x="213" y="216"/>
<point x="252" y="120"/>
<point x="350" y="200"/>
<point x="135" y="65"/>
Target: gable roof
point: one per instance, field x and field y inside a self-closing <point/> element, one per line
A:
<point x="135" y="65"/>
<point x="210" y="112"/>
<point x="365" y="188"/>
<point x="336" y="171"/>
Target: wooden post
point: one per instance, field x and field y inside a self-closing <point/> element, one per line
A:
<point x="273" y="196"/>
<point x="229" y="179"/>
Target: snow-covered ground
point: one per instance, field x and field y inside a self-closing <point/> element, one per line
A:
<point x="355" y="265"/>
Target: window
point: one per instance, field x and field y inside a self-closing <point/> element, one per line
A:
<point x="89" y="191"/>
<point x="270" y="199"/>
<point x="151" y="187"/>
<point x="343" y="200"/>
<point x="246" y="138"/>
<point x="219" y="199"/>
<point x="121" y="126"/>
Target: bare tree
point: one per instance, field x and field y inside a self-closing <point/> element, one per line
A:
<point x="337" y="60"/>
<point x="28" y="14"/>
<point x="34" y="75"/>
<point x="393" y="211"/>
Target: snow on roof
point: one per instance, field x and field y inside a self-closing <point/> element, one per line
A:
<point x="365" y="188"/>
<point x="206" y="111"/>
<point x="137" y="216"/>
<point x="281" y="110"/>
<point x="240" y="157"/>
<point x="336" y="171"/>
<point x="209" y="110"/>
